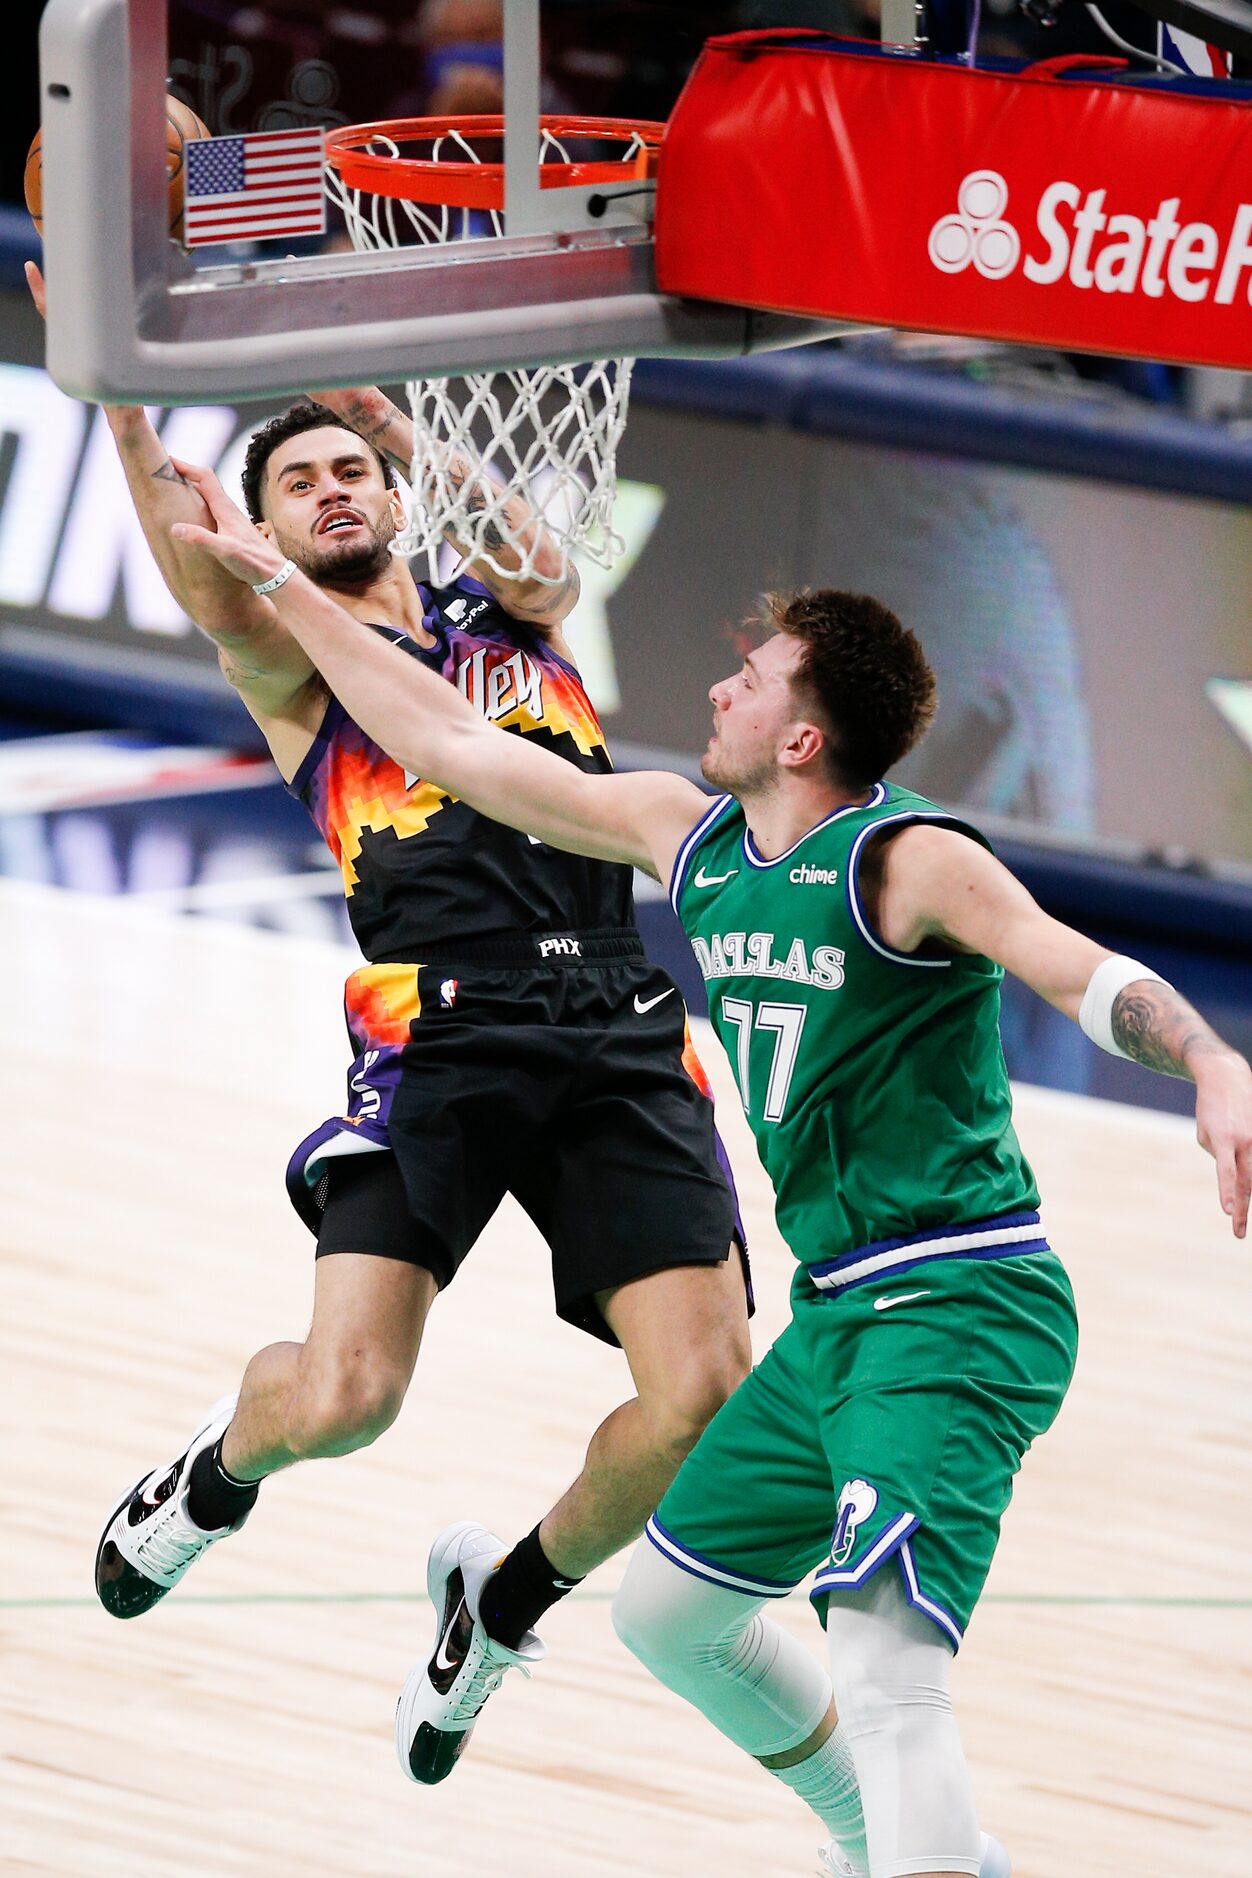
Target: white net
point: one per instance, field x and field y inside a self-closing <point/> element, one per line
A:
<point x="493" y="451"/>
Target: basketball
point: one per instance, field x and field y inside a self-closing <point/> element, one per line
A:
<point x="181" y="126"/>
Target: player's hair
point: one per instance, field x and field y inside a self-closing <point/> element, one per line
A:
<point x="291" y="423"/>
<point x="865" y="674"/>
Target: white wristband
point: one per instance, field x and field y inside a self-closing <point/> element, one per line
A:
<point x="285" y="572"/>
<point x="1107" y="981"/>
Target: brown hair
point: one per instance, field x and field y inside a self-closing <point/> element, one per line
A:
<point x="865" y="673"/>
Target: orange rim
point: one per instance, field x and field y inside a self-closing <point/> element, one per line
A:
<point x="461" y="185"/>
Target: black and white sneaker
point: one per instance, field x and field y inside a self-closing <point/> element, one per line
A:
<point x="150" y="1539"/>
<point x="443" y="1697"/>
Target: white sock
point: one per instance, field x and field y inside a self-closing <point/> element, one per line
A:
<point x="826" y="1781"/>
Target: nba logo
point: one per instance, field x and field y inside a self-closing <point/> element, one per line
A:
<point x="447" y="992"/>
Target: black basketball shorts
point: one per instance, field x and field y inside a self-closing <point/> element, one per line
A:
<point x="564" y="1077"/>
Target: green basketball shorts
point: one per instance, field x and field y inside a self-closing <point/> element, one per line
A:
<point x="887" y="1422"/>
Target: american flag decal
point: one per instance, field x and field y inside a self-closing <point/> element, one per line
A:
<point x="256" y="187"/>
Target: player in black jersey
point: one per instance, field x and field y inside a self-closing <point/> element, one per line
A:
<point x="950" y="1386"/>
<point x="509" y="1035"/>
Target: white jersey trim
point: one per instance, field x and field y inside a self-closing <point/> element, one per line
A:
<point x="863" y="926"/>
<point x="896" y="1539"/>
<point x="833" y="1578"/>
<point x="346" y="1141"/>
<point x="927" y="1606"/>
<point x="877" y="796"/>
<point x="915" y="1251"/>
<point x="712" y="1574"/>
<point x="682" y="859"/>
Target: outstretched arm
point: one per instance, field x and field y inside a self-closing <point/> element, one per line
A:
<point x="423" y="723"/>
<point x="263" y="662"/>
<point x="274" y="676"/>
<point x="538" y="603"/>
<point x="935" y="883"/>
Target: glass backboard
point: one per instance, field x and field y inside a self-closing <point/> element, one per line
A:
<point x="563" y="272"/>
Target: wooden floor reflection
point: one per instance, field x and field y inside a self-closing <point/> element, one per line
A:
<point x="154" y="1074"/>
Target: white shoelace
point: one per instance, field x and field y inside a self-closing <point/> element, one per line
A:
<point x="172" y="1543"/>
<point x="483" y="1681"/>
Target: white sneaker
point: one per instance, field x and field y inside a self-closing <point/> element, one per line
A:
<point x="442" y="1698"/>
<point x="150" y="1539"/>
<point x="995" y="1861"/>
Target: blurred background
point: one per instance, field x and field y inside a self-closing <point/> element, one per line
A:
<point x="1070" y="536"/>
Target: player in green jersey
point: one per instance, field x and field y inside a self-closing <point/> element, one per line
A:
<point x="853" y="937"/>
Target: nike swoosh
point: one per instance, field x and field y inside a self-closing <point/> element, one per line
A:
<point x="900" y="1297"/>
<point x="442" y="1659"/>
<point x="148" y="1496"/>
<point x="713" y="880"/>
<point x="648" y="1004"/>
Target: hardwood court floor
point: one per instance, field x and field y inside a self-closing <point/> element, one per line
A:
<point x="154" y="1074"/>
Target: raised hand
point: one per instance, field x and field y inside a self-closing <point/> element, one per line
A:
<point x="1154" y="1025"/>
<point x="1223" y="1116"/>
<point x="232" y="540"/>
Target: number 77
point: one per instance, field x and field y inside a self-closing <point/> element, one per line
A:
<point x="787" y="1022"/>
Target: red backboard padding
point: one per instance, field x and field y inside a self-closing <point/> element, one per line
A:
<point x="800" y="178"/>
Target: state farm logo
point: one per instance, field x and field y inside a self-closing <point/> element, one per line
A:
<point x="977" y="233"/>
<point x="1084" y="243"/>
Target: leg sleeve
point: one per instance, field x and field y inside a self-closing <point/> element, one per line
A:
<point x="891" y="1668"/>
<point x="710" y="1645"/>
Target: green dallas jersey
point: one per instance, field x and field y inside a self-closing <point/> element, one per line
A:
<point x="874" y="1081"/>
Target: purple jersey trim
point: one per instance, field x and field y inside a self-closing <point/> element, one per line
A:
<point x="332" y="717"/>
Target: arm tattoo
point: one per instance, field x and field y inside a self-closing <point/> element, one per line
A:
<point x="1159" y="1029"/>
<point x="373" y="426"/>
<point x="491" y="536"/>
<point x="551" y="598"/>
<point x="168" y="474"/>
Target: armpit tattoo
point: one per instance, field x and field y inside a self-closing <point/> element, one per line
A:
<point x="237" y="671"/>
<point x="168" y="474"/>
<point x="1159" y="1029"/>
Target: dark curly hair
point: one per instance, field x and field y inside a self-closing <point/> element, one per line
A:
<point x="862" y="672"/>
<point x="291" y="423"/>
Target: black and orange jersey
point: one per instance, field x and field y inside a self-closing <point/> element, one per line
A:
<point x="420" y="867"/>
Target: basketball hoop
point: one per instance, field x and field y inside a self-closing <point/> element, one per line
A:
<point x="548" y="433"/>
